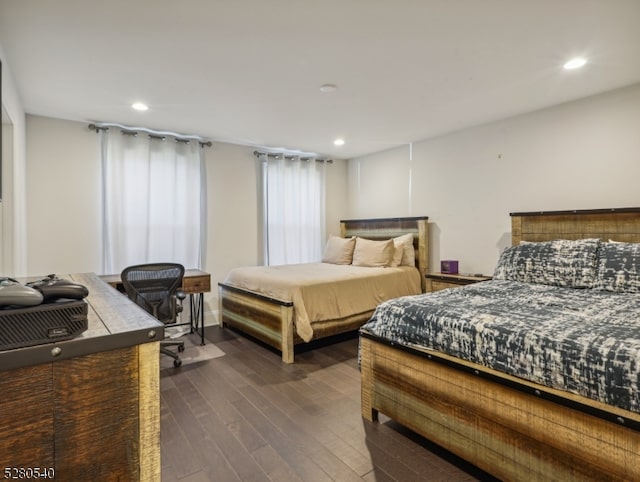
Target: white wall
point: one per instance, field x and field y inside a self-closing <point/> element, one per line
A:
<point x="63" y="202"/>
<point x="6" y="222"/>
<point x="13" y="205"/>
<point x="579" y="155"/>
<point x="63" y="185"/>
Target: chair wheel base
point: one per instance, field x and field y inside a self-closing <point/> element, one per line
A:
<point x="180" y="348"/>
<point x="177" y="363"/>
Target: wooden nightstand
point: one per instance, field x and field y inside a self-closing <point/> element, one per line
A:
<point x="441" y="281"/>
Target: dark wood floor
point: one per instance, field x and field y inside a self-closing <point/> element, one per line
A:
<point x="247" y="416"/>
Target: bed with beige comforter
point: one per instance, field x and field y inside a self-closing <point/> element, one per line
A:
<point x="325" y="291"/>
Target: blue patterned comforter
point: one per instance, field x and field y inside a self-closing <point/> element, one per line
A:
<point x="583" y="341"/>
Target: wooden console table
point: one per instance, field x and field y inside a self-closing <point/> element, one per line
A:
<point x="194" y="283"/>
<point x="86" y="408"/>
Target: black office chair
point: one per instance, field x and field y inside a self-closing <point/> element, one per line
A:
<point x="156" y="288"/>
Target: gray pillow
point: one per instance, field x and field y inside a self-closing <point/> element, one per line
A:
<point x="559" y="262"/>
<point x="619" y="267"/>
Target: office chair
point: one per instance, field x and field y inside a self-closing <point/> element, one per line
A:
<point x="156" y="288"/>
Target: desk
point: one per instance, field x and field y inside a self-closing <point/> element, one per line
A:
<point x="194" y="283"/>
<point x="90" y="410"/>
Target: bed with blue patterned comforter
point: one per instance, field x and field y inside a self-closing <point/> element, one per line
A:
<point x="580" y="335"/>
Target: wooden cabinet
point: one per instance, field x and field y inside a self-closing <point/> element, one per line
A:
<point x="91" y="412"/>
<point x="80" y="417"/>
<point x="441" y="281"/>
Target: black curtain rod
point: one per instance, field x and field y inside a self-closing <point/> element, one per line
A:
<point x="160" y="136"/>
<point x="290" y="158"/>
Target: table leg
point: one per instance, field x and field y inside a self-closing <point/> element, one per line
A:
<point x="196" y="305"/>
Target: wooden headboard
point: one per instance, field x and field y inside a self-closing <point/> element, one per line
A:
<point x="387" y="228"/>
<point x="620" y="224"/>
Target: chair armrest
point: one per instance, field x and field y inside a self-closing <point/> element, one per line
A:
<point x="176" y="303"/>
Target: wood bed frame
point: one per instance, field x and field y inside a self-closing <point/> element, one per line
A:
<point x="508" y="427"/>
<point x="272" y="321"/>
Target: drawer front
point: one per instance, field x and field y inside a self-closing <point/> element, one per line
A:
<point x="442" y="285"/>
<point x="196" y="284"/>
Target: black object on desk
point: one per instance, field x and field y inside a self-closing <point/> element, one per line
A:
<point x="38" y="325"/>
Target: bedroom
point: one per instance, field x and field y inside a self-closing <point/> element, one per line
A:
<point x="581" y="154"/>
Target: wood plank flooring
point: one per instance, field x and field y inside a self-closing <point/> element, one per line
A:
<point x="247" y="416"/>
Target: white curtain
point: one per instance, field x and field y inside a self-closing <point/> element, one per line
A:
<point x="294" y="200"/>
<point x="154" y="200"/>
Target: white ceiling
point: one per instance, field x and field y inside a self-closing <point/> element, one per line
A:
<point x="249" y="71"/>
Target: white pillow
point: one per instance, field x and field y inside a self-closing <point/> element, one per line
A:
<point x="373" y="253"/>
<point x="338" y="250"/>
<point x="404" y="253"/>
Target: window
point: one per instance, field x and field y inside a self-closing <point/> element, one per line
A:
<point x="294" y="201"/>
<point x="154" y="199"/>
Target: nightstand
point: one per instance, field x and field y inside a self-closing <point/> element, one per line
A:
<point x="441" y="281"/>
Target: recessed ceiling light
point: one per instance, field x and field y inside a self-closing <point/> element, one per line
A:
<point x="575" y="63"/>
<point x="338" y="142"/>
<point x="139" y="106"/>
<point x="328" y="87"/>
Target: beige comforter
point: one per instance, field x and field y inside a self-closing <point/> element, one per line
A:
<point x="323" y="291"/>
